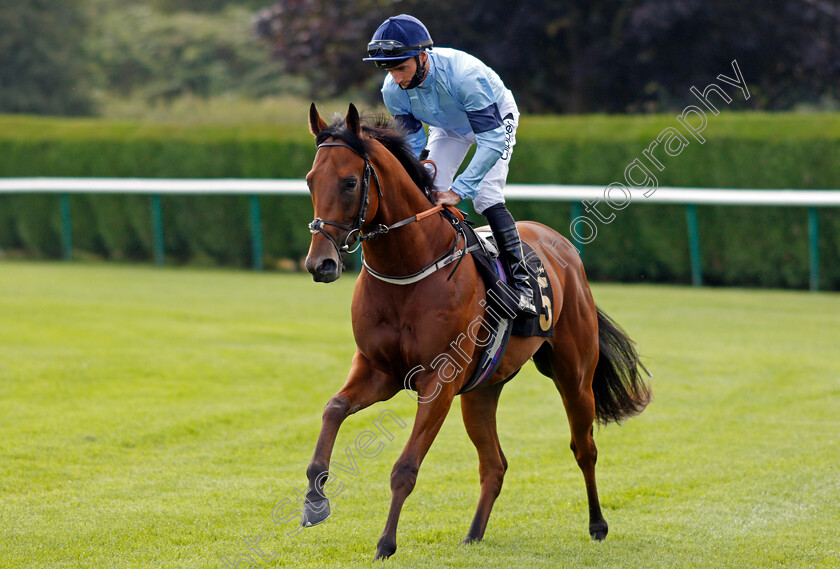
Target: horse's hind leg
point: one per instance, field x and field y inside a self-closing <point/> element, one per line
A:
<point x="479" y="412"/>
<point x="572" y="373"/>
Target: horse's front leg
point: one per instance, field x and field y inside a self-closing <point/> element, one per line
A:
<point x="434" y="398"/>
<point x="363" y="388"/>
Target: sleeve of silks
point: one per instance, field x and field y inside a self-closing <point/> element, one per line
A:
<point x="486" y="122"/>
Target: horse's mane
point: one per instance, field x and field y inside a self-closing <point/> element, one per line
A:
<point x="387" y="133"/>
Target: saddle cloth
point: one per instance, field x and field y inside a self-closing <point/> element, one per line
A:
<point x="501" y="302"/>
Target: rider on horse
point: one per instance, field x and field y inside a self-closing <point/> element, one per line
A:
<point x="464" y="102"/>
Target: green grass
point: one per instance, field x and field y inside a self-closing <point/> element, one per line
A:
<point x="192" y="118"/>
<point x="735" y="124"/>
<point x="153" y="418"/>
<point x="185" y="118"/>
<point x="189" y="109"/>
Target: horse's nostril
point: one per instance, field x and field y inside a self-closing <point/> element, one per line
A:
<point x="327" y="266"/>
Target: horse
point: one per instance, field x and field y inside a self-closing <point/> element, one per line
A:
<point x="369" y="190"/>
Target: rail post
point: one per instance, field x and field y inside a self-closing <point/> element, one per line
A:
<point x="66" y="227"/>
<point x="577" y="211"/>
<point x="694" y="245"/>
<point x="157" y="231"/>
<point x="814" y="248"/>
<point x="256" y="233"/>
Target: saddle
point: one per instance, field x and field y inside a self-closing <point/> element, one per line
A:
<point x="501" y="320"/>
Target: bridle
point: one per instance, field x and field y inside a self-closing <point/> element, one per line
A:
<point x="355" y="230"/>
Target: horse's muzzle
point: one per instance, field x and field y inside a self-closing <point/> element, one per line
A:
<point x="323" y="270"/>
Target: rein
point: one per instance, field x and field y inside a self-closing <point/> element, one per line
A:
<point x="452" y="255"/>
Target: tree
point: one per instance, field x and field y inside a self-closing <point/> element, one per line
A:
<point x="141" y="51"/>
<point x="200" y="5"/>
<point x="789" y="51"/>
<point x="322" y="40"/>
<point x="43" y="66"/>
<point x="583" y="55"/>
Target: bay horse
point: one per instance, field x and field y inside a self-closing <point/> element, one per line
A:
<point x="367" y="187"/>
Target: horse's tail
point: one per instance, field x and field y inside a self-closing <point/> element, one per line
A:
<point x="620" y="391"/>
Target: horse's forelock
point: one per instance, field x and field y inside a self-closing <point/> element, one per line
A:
<point x="338" y="129"/>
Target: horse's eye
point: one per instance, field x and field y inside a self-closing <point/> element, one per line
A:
<point x="350" y="184"/>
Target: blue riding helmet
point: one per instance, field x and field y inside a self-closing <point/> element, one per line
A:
<point x="397" y="39"/>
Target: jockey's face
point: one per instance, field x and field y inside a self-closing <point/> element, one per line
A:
<point x="404" y="72"/>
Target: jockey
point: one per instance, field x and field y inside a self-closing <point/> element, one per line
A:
<point x="464" y="102"/>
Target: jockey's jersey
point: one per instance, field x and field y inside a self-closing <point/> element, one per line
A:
<point x="460" y="94"/>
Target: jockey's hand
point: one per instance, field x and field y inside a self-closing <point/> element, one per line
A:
<point x="447" y="198"/>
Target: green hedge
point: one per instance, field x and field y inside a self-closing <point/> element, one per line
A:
<point x="752" y="246"/>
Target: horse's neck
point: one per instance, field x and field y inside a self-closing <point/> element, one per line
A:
<point x="409" y="248"/>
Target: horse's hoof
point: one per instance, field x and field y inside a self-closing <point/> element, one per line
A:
<point x="315" y="512"/>
<point x="598" y="530"/>
<point x="470" y="540"/>
<point x="384" y="550"/>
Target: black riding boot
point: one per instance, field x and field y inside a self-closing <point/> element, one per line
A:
<point x="510" y="253"/>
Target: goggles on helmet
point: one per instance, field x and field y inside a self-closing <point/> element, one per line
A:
<point x="393" y="48"/>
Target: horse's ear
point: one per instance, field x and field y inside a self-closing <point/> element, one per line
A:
<point x="353" y="121"/>
<point x="316" y="123"/>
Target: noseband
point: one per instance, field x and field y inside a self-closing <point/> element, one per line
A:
<point x="355" y="230"/>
